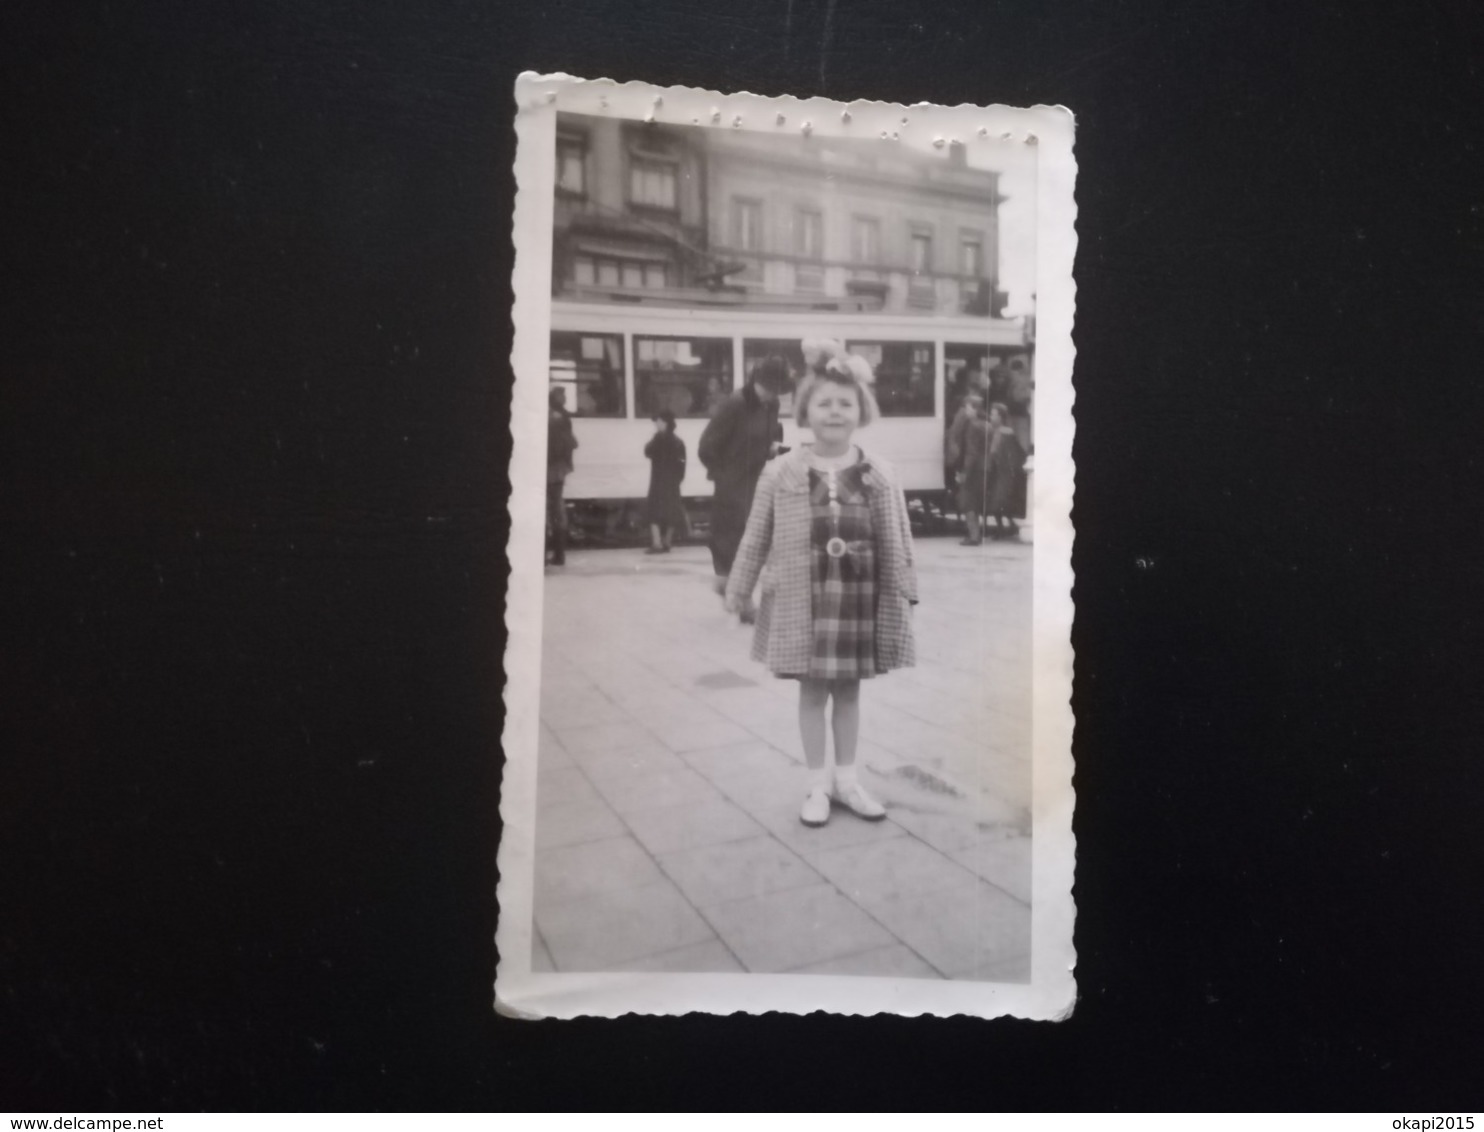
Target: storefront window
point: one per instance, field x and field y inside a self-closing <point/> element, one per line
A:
<point x="588" y="368"/>
<point x="688" y="376"/>
<point x="904" y="376"/>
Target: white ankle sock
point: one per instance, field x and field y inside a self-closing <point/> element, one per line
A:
<point x="845" y="777"/>
<point x="819" y="780"/>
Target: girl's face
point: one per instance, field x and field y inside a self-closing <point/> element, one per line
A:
<point x="834" y="412"/>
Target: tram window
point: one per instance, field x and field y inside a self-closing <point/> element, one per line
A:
<point x="588" y="368"/>
<point x="904" y="376"/>
<point x="754" y="350"/>
<point x="688" y="376"/>
<point x="965" y="365"/>
<point x="965" y="368"/>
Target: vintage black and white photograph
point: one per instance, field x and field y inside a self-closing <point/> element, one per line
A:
<point x="783" y="684"/>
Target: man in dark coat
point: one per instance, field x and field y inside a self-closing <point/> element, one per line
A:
<point x="740" y="439"/>
<point x="1019" y="390"/>
<point x="561" y="442"/>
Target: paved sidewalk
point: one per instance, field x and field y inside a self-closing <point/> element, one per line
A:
<point x="670" y="777"/>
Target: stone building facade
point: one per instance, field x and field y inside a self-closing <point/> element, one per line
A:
<point x="650" y="213"/>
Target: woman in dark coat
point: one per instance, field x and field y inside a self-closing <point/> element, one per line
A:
<point x="663" y="509"/>
<point x="968" y="450"/>
<point x="742" y="437"/>
<point x="1005" y="463"/>
<point x="561" y="442"/>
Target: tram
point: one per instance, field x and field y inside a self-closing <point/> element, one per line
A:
<point x="618" y="366"/>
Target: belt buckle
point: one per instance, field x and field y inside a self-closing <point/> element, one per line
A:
<point x="835" y="548"/>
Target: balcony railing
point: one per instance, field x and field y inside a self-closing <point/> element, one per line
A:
<point x="809" y="277"/>
<point x="979" y="297"/>
<point x="922" y="294"/>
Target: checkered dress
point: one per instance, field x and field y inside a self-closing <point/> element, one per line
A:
<point x="777" y="550"/>
<point x="842" y="590"/>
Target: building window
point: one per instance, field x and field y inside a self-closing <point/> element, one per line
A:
<point x="571" y="166"/>
<point x="922" y="249"/>
<point x="652" y="183"/>
<point x="607" y="271"/>
<point x="905" y="376"/>
<point x="756" y="350"/>
<point x="588" y="368"/>
<point x="809" y="234"/>
<point x="865" y="239"/>
<point x="688" y="376"/>
<point x="971" y="255"/>
<point x="747" y="225"/>
<point x="809" y="246"/>
<point x="747" y="236"/>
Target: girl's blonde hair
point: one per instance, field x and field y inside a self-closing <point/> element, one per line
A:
<point x="827" y="363"/>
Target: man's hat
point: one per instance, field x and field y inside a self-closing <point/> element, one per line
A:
<point x="771" y="373"/>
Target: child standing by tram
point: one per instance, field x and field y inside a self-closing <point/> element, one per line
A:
<point x="829" y="537"/>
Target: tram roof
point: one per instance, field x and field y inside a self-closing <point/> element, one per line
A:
<point x="569" y="316"/>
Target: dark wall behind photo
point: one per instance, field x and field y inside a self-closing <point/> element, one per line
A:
<point x="253" y="415"/>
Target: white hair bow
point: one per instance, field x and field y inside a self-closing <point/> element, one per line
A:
<point x="826" y="355"/>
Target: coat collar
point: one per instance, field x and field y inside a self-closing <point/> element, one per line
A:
<point x="793" y="471"/>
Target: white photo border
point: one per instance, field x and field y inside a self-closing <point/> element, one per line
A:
<point x="1051" y="993"/>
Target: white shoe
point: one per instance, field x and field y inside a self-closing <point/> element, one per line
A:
<point x="816" y="810"/>
<point x="855" y="799"/>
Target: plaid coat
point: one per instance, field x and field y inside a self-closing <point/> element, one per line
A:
<point x="775" y="549"/>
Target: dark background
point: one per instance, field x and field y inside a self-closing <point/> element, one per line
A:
<point x="253" y="398"/>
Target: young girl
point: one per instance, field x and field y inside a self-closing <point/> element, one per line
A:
<point x="829" y="523"/>
<point x="664" y="508"/>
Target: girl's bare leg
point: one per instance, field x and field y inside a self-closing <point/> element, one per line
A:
<point x="812" y="697"/>
<point x="845" y="720"/>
